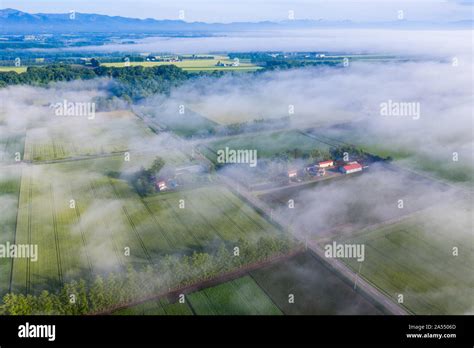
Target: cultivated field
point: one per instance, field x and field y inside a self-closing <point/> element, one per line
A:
<point x="187" y="125"/>
<point x="91" y="237"/>
<point x="10" y="147"/>
<point x="267" y="144"/>
<point x="107" y="133"/>
<point x="17" y="69"/>
<point x="227" y="116"/>
<point x="9" y="189"/>
<point x="315" y="288"/>
<point x="240" y="296"/>
<point x="237" y="297"/>
<point x="415" y="258"/>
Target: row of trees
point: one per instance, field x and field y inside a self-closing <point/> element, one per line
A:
<point x="78" y="297"/>
<point x="296" y="153"/>
<point x="316" y="155"/>
<point x="352" y="151"/>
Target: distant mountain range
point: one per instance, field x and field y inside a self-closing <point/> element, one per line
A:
<point x="18" y="22"/>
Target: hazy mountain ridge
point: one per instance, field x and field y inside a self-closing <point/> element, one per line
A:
<point x="17" y="22"/>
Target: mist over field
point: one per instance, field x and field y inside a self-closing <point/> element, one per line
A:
<point x="423" y="43"/>
<point x="325" y="96"/>
<point x="433" y="70"/>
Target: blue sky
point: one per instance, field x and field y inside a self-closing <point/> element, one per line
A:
<point x="257" y="10"/>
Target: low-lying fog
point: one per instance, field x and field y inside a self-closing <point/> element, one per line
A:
<point x="440" y="86"/>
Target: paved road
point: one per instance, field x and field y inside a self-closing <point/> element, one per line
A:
<point x="362" y="285"/>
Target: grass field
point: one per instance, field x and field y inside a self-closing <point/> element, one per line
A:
<point x="237" y="297"/>
<point x="316" y="289"/>
<point x="9" y="189"/>
<point x="17" y="69"/>
<point x="108" y="132"/>
<point x="415" y="258"/>
<point x="240" y="296"/>
<point x="108" y="216"/>
<point x="191" y="124"/>
<point x="10" y="146"/>
<point x="266" y="144"/>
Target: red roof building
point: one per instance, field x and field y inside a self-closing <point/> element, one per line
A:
<point x="326" y="164"/>
<point x="292" y="173"/>
<point x="351" y="168"/>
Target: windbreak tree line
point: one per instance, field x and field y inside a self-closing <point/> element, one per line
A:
<point x="79" y="297"/>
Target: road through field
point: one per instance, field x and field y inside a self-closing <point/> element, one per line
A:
<point x="335" y="264"/>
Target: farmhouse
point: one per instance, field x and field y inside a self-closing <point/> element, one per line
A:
<point x="315" y="170"/>
<point x="326" y="164"/>
<point x="351" y="168"/>
<point x="161" y="185"/>
<point x="292" y="173"/>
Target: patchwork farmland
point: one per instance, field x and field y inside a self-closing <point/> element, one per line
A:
<point x="108" y="216"/>
<point x="73" y="199"/>
<point x="266" y="291"/>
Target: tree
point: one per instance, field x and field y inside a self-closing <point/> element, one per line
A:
<point x="315" y="154"/>
<point x="95" y="63"/>
<point x="97" y="296"/>
<point x="156" y="166"/>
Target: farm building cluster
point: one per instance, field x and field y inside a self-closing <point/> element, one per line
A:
<point x="320" y="169"/>
<point x="179" y="177"/>
<point x="222" y="64"/>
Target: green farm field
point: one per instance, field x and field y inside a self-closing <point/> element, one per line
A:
<point x="241" y="296"/>
<point x="17" y="69"/>
<point x="316" y="289"/>
<point x="10" y="147"/>
<point x="90" y="238"/>
<point x="107" y="133"/>
<point x="415" y="258"/>
<point x="189" y="125"/>
<point x="266" y="144"/>
<point x="9" y="190"/>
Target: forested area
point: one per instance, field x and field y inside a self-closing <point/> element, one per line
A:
<point x="133" y="82"/>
